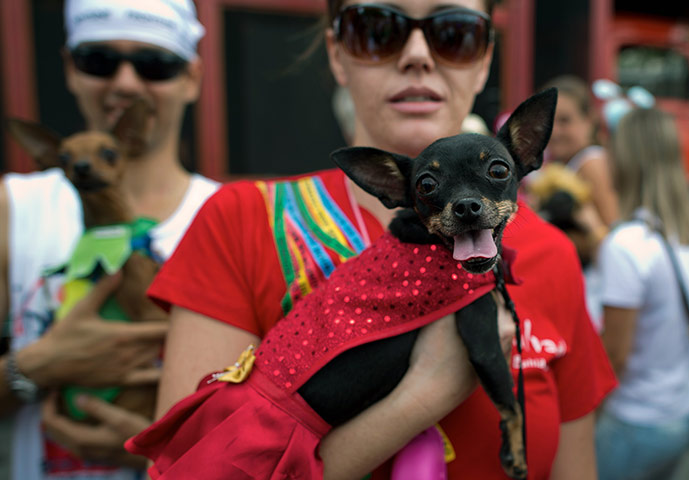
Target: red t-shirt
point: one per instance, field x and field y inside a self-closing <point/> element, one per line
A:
<point x="248" y="239"/>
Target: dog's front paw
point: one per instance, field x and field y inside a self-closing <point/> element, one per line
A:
<point x="512" y="453"/>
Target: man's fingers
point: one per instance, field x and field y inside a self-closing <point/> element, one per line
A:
<point x="124" y="422"/>
<point x="147" y="330"/>
<point x="102" y="442"/>
<point x="72" y="434"/>
<point x="100" y="292"/>
<point x="142" y="376"/>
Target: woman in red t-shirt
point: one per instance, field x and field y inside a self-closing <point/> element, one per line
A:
<point x="256" y="248"/>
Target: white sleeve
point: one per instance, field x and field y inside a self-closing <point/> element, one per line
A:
<point x="45" y="221"/>
<point x="622" y="273"/>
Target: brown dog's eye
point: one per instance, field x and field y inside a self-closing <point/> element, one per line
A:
<point x="426" y="185"/>
<point x="109" y="155"/>
<point x="499" y="170"/>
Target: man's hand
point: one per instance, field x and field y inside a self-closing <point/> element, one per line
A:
<point x="102" y="442"/>
<point x="83" y="349"/>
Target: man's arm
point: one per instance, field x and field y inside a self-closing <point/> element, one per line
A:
<point x="7" y="401"/>
<point x="81" y="349"/>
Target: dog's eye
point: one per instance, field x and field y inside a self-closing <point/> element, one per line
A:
<point x="109" y="155"/>
<point x="426" y="185"/>
<point x="499" y="170"/>
<point x="63" y="158"/>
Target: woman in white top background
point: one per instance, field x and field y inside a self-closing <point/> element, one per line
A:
<point x="643" y="428"/>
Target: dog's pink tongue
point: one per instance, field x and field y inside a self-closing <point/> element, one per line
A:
<point x="476" y="243"/>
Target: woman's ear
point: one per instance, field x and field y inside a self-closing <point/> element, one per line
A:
<point x="335" y="58"/>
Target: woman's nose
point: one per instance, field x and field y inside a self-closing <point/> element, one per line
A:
<point x="416" y="53"/>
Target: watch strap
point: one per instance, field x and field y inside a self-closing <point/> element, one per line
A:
<point x="20" y="385"/>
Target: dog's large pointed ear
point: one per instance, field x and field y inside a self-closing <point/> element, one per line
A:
<point x="380" y="173"/>
<point x="130" y="129"/>
<point x="527" y="132"/>
<point x="40" y="142"/>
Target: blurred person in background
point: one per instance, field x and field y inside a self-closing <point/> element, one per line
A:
<point x="643" y="427"/>
<point x="574" y="145"/>
<point x="117" y="52"/>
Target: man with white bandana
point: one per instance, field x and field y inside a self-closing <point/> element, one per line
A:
<point x="117" y="52"/>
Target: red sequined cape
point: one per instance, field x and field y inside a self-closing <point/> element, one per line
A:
<point x="390" y="289"/>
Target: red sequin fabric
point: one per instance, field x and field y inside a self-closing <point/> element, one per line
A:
<point x="390" y="289"/>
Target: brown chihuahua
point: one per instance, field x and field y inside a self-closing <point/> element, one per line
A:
<point x="95" y="163"/>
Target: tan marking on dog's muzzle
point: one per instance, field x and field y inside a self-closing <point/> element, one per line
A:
<point x="441" y="222"/>
<point x="503" y="208"/>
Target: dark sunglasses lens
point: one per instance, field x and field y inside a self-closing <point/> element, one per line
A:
<point x="459" y="38"/>
<point x="157" y="65"/>
<point x="99" y="62"/>
<point x="371" y="33"/>
<point x="154" y="65"/>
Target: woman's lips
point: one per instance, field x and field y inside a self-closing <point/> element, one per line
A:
<point x="416" y="101"/>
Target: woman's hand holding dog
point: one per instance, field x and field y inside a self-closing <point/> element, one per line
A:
<point x="83" y="349"/>
<point x="440" y="364"/>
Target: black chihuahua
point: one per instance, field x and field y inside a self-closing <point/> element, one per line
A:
<point x="460" y="191"/>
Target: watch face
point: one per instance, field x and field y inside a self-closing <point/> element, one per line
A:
<point x="25" y="390"/>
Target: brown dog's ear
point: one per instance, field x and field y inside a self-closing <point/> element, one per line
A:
<point x="40" y="142"/>
<point x="527" y="131"/>
<point x="380" y="173"/>
<point x="130" y="129"/>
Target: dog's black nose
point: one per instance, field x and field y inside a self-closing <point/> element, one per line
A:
<point x="468" y="210"/>
<point x="82" y="168"/>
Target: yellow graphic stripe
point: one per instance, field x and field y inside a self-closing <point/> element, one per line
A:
<point x="320" y="214"/>
<point x="302" y="280"/>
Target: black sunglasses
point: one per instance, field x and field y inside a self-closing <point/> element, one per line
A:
<point x="375" y="33"/>
<point x="150" y="64"/>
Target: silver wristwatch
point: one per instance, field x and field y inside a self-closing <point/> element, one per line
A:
<point x="22" y="387"/>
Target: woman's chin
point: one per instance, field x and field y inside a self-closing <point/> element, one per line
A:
<point x="411" y="141"/>
<point x="407" y="136"/>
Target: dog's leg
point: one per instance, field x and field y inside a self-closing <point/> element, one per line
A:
<point x="478" y="326"/>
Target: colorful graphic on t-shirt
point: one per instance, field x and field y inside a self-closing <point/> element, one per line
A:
<point x="312" y="234"/>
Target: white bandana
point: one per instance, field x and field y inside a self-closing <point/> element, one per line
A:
<point x="170" y="24"/>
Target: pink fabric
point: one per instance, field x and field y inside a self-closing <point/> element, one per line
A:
<point x="421" y="459"/>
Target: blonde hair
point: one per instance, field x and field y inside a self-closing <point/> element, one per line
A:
<point x="648" y="170"/>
